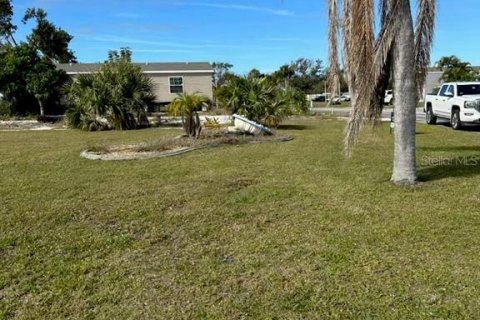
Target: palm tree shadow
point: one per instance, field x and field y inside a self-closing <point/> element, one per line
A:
<point x="438" y="168"/>
<point x="296" y="127"/>
<point x="451" y="148"/>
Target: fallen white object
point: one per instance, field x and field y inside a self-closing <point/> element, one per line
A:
<point x="246" y="125"/>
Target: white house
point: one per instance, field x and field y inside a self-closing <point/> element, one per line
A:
<point x="168" y="78"/>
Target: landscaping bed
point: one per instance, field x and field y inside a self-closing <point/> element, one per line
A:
<point x="174" y="146"/>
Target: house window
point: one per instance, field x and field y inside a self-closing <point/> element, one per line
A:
<point x="176" y="84"/>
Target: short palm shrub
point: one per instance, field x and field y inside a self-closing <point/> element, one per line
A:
<point x="187" y="106"/>
<point x="260" y="99"/>
<point x="116" y="97"/>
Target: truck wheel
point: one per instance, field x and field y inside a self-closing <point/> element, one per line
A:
<point x="430" y="117"/>
<point x="455" y="120"/>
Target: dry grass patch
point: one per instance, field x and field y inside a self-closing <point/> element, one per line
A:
<point x="174" y="146"/>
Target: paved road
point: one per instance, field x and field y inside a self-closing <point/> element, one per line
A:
<point x="385" y="114"/>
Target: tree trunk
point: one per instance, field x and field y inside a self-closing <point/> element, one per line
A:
<point x="404" y="163"/>
<point x="42" y="111"/>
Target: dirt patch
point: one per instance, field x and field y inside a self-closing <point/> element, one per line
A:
<point x="173" y="147"/>
<point x="22" y="125"/>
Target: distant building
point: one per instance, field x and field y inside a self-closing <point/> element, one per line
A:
<point x="168" y="78"/>
<point x="432" y="81"/>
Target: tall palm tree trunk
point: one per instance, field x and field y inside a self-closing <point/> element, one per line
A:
<point x="404" y="163"/>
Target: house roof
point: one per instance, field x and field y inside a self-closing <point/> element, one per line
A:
<point x="147" y="67"/>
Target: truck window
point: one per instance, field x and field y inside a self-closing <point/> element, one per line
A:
<point x="468" y="89"/>
<point x="442" y="90"/>
<point x="450" y="89"/>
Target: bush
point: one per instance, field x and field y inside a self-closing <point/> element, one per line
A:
<point x="5" y="110"/>
<point x="187" y="106"/>
<point x="117" y="97"/>
<point x="260" y="100"/>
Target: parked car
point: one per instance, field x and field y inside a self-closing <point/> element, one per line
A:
<point x="388" y="97"/>
<point x="319" y="98"/>
<point x="345" y="97"/>
<point x="335" y="100"/>
<point x="458" y="102"/>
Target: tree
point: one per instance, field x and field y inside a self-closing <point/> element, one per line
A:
<point x="255" y="73"/>
<point x="119" y="92"/>
<point x="220" y="72"/>
<point x="29" y="79"/>
<point x="43" y="82"/>
<point x="308" y="74"/>
<point x="284" y="75"/>
<point x="187" y="106"/>
<point x="370" y="60"/>
<point x="6" y="27"/>
<point x="303" y="74"/>
<point x="50" y="40"/>
<point x="455" y="69"/>
<point x="87" y="103"/>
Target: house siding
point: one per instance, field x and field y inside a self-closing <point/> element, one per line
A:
<point x="197" y="76"/>
<point x="199" y="82"/>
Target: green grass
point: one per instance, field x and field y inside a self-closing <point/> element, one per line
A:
<point x="271" y="231"/>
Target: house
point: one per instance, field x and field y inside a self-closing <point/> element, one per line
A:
<point x="433" y="80"/>
<point x="168" y="78"/>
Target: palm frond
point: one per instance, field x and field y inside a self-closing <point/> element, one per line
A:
<point x="359" y="39"/>
<point x="424" y="30"/>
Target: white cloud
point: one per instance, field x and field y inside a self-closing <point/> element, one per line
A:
<point x="165" y="45"/>
<point x="276" y="12"/>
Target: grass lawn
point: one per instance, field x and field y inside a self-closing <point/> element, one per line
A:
<point x="269" y="231"/>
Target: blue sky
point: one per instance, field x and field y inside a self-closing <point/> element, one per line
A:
<point x="246" y="33"/>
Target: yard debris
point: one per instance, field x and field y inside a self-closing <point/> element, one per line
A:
<point x="249" y="126"/>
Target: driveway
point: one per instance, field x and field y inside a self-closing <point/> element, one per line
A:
<point x="386" y="113"/>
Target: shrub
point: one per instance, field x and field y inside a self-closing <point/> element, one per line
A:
<point x="187" y="105"/>
<point x="117" y="97"/>
<point x="260" y="100"/>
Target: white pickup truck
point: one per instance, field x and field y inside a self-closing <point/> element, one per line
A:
<point x="458" y="102"/>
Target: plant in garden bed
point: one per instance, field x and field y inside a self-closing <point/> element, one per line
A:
<point x="187" y="106"/>
<point x="261" y="100"/>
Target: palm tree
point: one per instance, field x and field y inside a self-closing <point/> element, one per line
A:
<point x="87" y="103"/>
<point x="262" y="100"/>
<point x="455" y="69"/>
<point x="370" y="60"/>
<point x="187" y="106"/>
<point x="119" y="93"/>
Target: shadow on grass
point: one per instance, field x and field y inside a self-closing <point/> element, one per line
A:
<point x="471" y="128"/>
<point x="451" y="148"/>
<point x="293" y="127"/>
<point x="437" y="168"/>
<point x="465" y="127"/>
